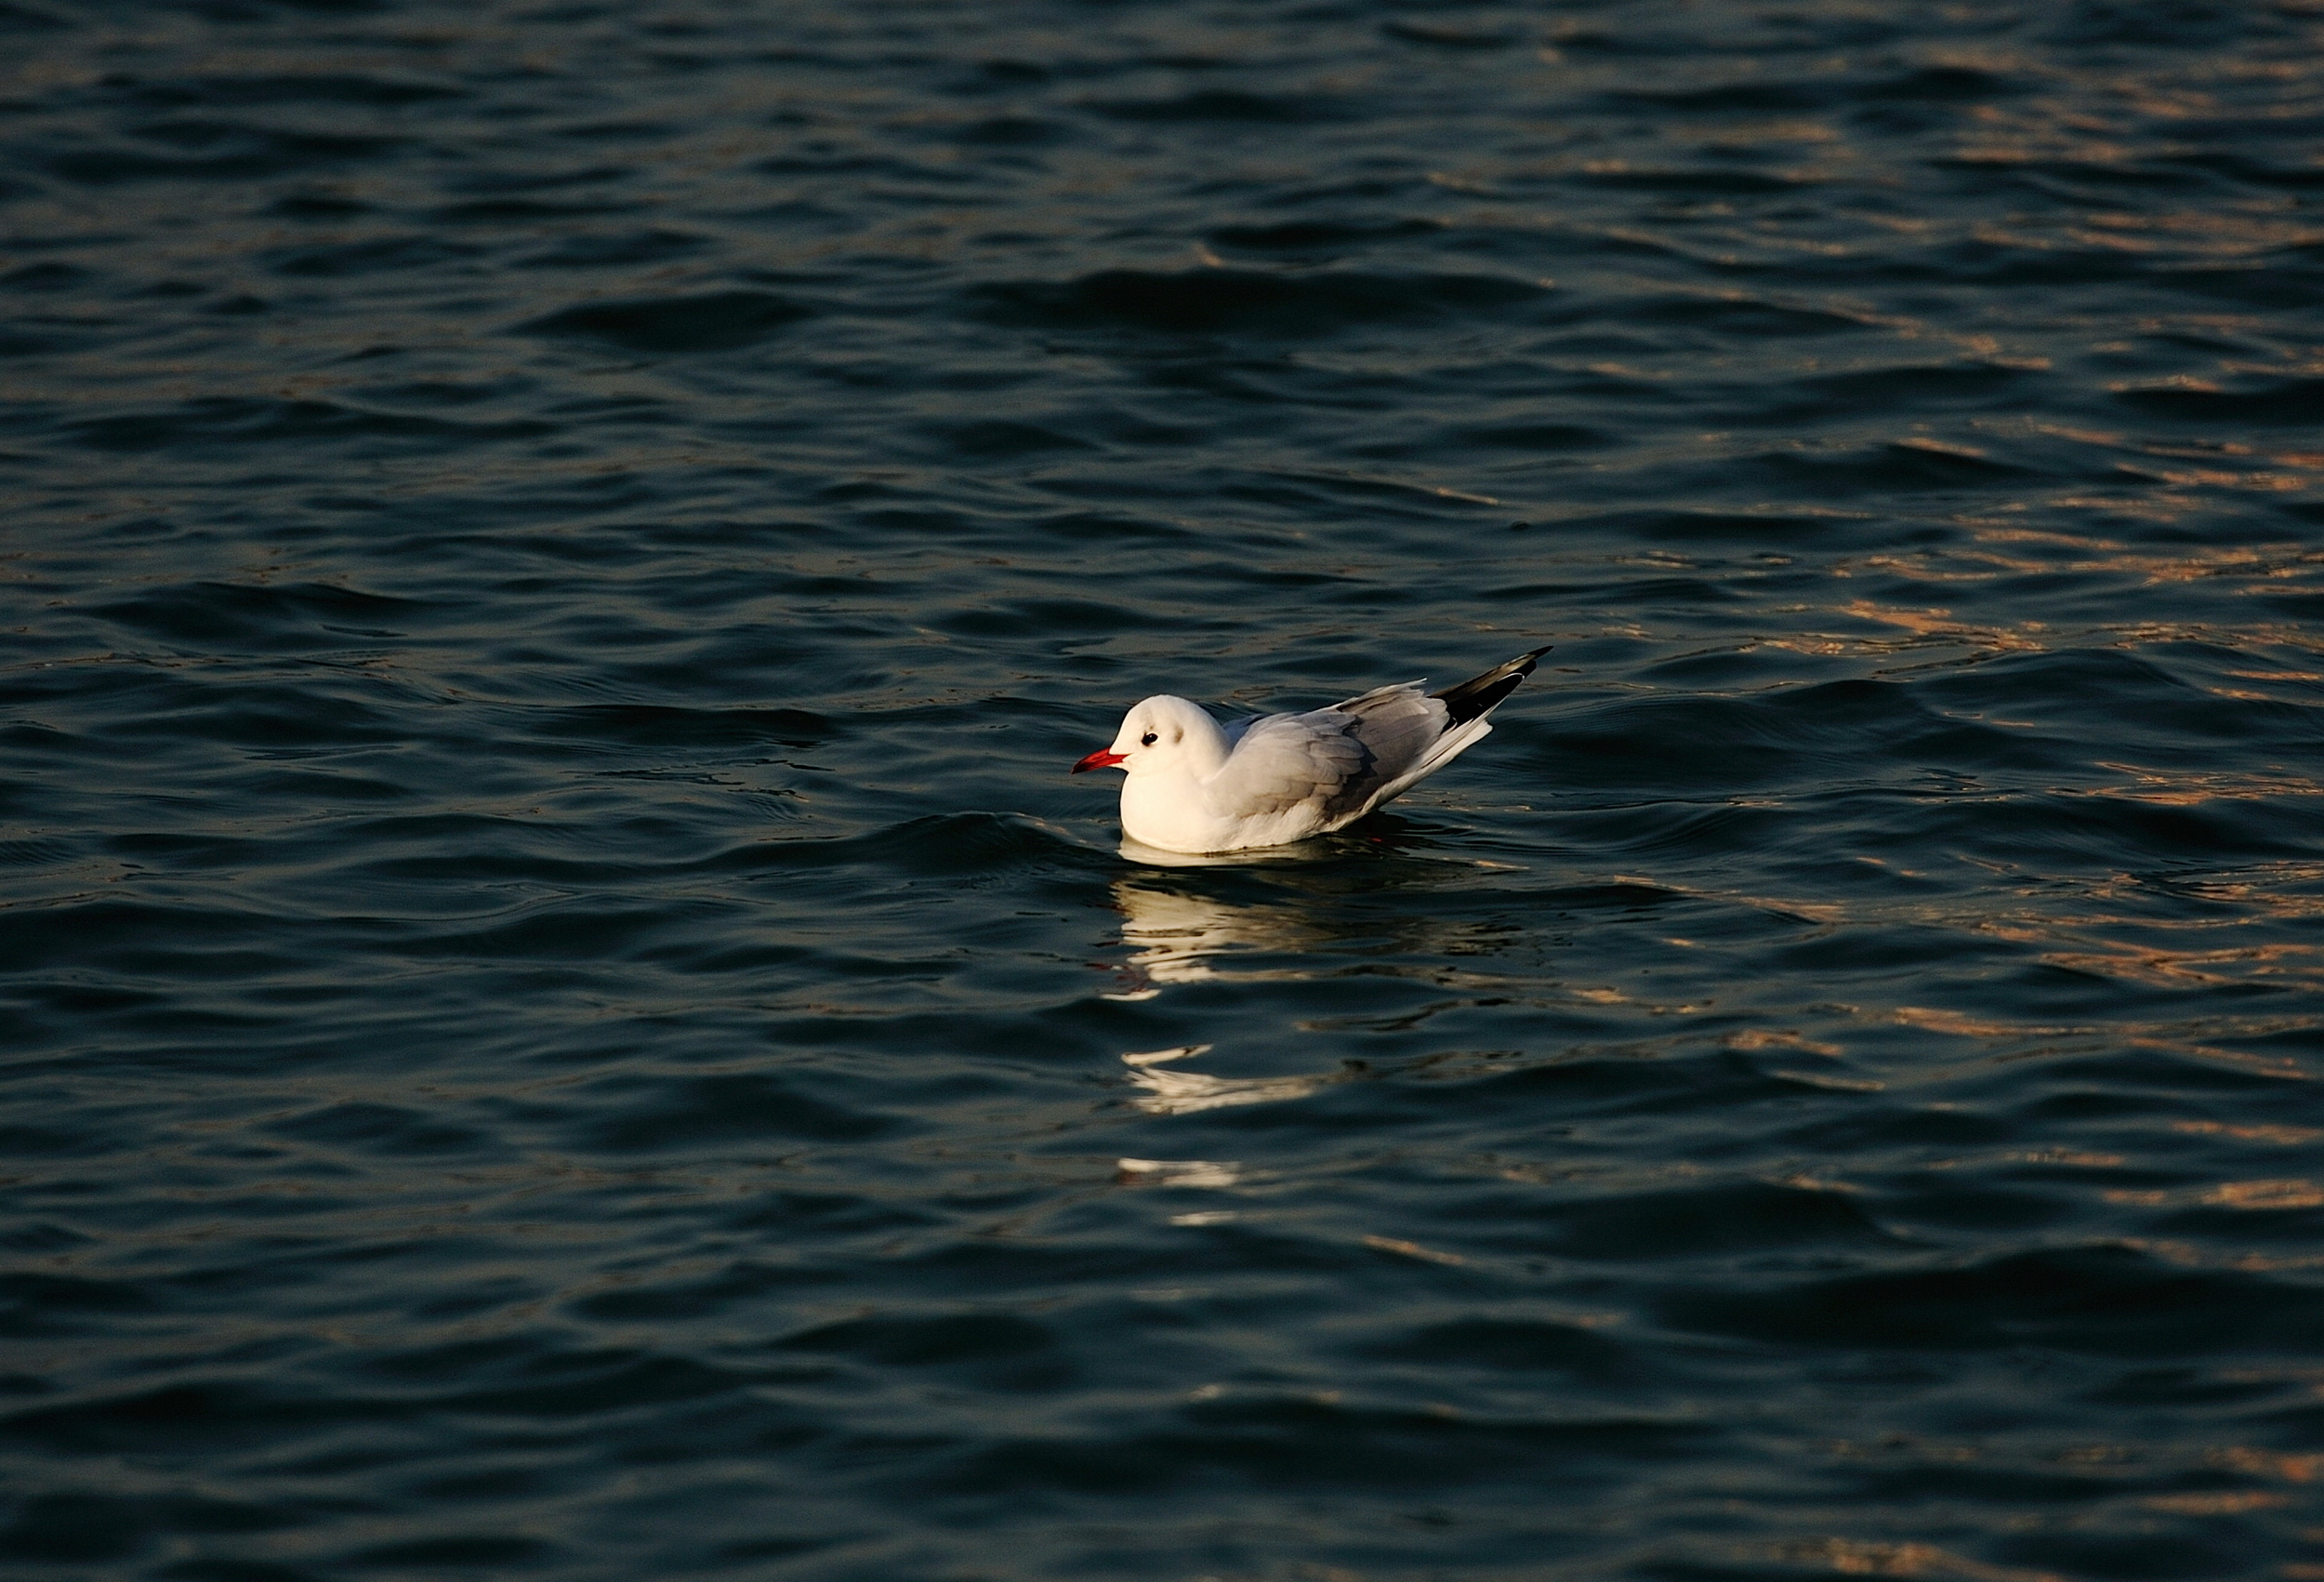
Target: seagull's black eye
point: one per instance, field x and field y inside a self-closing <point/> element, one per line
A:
<point x="1146" y="739"/>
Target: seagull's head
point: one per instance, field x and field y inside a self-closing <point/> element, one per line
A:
<point x="1155" y="734"/>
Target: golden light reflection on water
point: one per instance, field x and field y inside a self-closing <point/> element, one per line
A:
<point x="2005" y="549"/>
<point x="2158" y="1036"/>
<point x="2225" y="1504"/>
<point x="1936" y="621"/>
<point x="2279" y="1135"/>
<point x="1749" y="1039"/>
<point x="2186" y="788"/>
<point x="1850" y="1557"/>
<point x="1414" y="1250"/>
<point x="2294" y="1193"/>
<point x="2302" y="963"/>
<point x="2150" y="950"/>
<point x="2118" y="928"/>
<point x="2291" y="1467"/>
<point x="2194" y="1255"/>
<point x="2114" y="928"/>
<point x="1939" y="627"/>
<point x="2257" y="1197"/>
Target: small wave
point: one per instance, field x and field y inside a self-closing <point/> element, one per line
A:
<point x="294" y="616"/>
<point x="591" y="930"/>
<point x="1954" y="83"/>
<point x="633" y="1114"/>
<point x="1675" y="744"/>
<point x="215" y="151"/>
<point x="1441" y="36"/>
<point x="30" y="19"/>
<point x="1058" y="617"/>
<point x="2292" y="401"/>
<point x="526" y="211"/>
<point x="1302" y="1442"/>
<point x="663" y="725"/>
<point x="1924" y="85"/>
<point x="1734" y="315"/>
<point x="1205" y="300"/>
<point x="745" y="1282"/>
<point x="258" y="421"/>
<point x="46" y="276"/>
<point x="1867" y="392"/>
<point x="1311" y="235"/>
<point x="1229" y="105"/>
<point x="649" y="246"/>
<point x="152" y="943"/>
<point x="942" y="844"/>
<point x="1528" y="1345"/>
<point x="1899" y="467"/>
<point x="415" y="250"/>
<point x="2164" y="24"/>
<point x="1001" y="438"/>
<point x="283" y="88"/>
<point x="2106" y="1299"/>
<point x="718" y="321"/>
<point x="1726" y="99"/>
<point x="1710" y="1220"/>
<point x="1013" y="132"/>
<point x="946" y="1340"/>
<point x="1721" y="180"/>
<point x="395" y="1129"/>
<point x="1536" y="437"/>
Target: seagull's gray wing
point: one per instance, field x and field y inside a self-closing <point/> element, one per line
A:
<point x="1398" y="726"/>
<point x="1283" y="761"/>
<point x="1335" y="759"/>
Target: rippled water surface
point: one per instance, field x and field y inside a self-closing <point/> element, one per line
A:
<point x="564" y="1018"/>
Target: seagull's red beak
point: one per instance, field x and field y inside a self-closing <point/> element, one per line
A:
<point x="1098" y="761"/>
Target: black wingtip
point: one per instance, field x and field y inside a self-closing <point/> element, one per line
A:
<point x="1479" y="694"/>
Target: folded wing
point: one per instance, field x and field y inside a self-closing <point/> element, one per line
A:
<point x="1339" y="761"/>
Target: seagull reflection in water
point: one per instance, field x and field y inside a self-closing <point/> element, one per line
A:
<point x="1177" y="931"/>
<point x="1179" y="935"/>
<point x="1176" y="937"/>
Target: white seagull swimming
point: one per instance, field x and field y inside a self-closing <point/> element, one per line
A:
<point x="1194" y="786"/>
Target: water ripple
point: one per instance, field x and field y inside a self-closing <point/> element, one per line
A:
<point x="563" y="1011"/>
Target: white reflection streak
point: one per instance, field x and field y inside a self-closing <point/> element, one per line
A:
<point x="1173" y="935"/>
<point x="1179" y="1172"/>
<point x="1188" y="1092"/>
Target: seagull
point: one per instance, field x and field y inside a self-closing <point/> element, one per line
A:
<point x="1194" y="786"/>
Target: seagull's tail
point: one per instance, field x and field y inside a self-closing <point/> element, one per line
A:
<point x="1476" y="697"/>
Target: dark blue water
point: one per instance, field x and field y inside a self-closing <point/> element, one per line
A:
<point x="564" y="1020"/>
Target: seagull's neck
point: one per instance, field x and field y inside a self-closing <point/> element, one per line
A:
<point x="1203" y="752"/>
